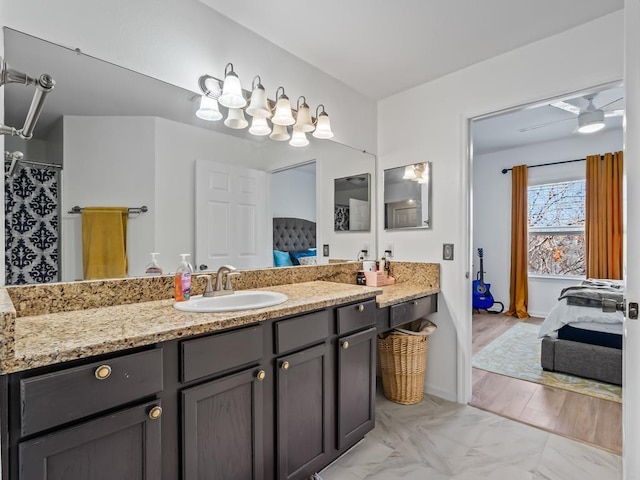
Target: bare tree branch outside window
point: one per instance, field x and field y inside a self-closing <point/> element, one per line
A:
<point x="556" y="228"/>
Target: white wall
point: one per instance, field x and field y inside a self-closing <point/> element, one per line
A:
<point x="568" y="62"/>
<point x="492" y="207"/>
<point x="293" y="193"/>
<point x="108" y="161"/>
<point x="178" y="41"/>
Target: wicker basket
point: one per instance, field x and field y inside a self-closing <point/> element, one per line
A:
<point x="403" y="361"/>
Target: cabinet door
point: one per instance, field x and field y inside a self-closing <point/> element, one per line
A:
<point x="223" y="428"/>
<point x="124" y="445"/>
<point x="303" y="412"/>
<point x="356" y="386"/>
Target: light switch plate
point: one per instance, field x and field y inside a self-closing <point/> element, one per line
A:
<point x="447" y="251"/>
<point x="325" y="250"/>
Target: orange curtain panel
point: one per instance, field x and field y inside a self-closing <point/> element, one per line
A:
<point x="603" y="223"/>
<point x="519" y="281"/>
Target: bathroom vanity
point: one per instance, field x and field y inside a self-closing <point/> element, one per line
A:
<point x="273" y="393"/>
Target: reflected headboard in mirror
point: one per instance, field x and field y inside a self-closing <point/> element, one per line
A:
<point x="295" y="237"/>
<point x="407" y="196"/>
<point x="352" y="203"/>
<point x="124" y="139"/>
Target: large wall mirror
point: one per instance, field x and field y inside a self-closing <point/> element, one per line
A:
<point x="407" y="196"/>
<point x="352" y="203"/>
<point x="121" y="138"/>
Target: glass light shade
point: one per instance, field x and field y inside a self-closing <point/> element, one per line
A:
<point x="409" y="173"/>
<point x="303" y="122"/>
<point x="323" y="127"/>
<point x="208" y="109"/>
<point x="299" y="139"/>
<point x="283" y="115"/>
<point x="258" y="106"/>
<point x="259" y="126"/>
<point x="235" y="119"/>
<point x="232" y="92"/>
<point x="280" y="133"/>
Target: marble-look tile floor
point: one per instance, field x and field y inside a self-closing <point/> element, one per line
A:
<point x="437" y="439"/>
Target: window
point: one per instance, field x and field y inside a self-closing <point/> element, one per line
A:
<point x="556" y="228"/>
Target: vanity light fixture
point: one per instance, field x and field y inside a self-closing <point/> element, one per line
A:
<point x="208" y="109"/>
<point x="418" y="172"/>
<point x="283" y="115"/>
<point x="303" y="120"/>
<point x="231" y="96"/>
<point x="299" y="139"/>
<point x="323" y="126"/>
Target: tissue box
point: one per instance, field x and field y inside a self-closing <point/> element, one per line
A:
<point x="378" y="279"/>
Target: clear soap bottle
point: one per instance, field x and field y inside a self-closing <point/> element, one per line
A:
<point x="153" y="268"/>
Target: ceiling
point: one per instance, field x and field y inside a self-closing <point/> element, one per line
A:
<point x="382" y="47"/>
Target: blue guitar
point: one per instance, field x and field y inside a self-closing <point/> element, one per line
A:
<point x="482" y="298"/>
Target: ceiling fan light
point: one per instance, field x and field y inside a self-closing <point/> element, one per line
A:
<point x="208" y="109"/>
<point x="280" y="133"/>
<point x="591" y="121"/>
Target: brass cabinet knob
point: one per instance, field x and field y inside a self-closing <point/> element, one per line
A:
<point x="261" y="375"/>
<point x="155" y="413"/>
<point x="415" y="302"/>
<point x="103" y="372"/>
<point x="345" y="345"/>
<point x="361" y="308"/>
<point x="285" y="366"/>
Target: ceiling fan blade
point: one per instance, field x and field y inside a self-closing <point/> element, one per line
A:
<point x="614" y="113"/>
<point x="535" y="127"/>
<point x="610" y="103"/>
<point x="567" y="107"/>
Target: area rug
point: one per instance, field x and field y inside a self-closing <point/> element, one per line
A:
<point x="516" y="353"/>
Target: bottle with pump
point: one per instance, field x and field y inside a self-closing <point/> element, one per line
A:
<point x="183" y="279"/>
<point x="153" y="268"/>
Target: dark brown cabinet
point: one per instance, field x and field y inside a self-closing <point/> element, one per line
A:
<point x="223" y="428"/>
<point x="123" y="445"/>
<point x="356" y="386"/>
<point x="303" y="411"/>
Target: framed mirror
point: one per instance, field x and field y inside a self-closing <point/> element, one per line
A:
<point x="352" y="203"/>
<point x="407" y="196"/>
<point x="115" y="137"/>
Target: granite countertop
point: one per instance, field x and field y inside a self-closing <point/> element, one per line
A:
<point x="83" y="318"/>
<point x="52" y="338"/>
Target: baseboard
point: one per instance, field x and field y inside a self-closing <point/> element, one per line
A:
<point x="441" y="393"/>
<point x="538" y="314"/>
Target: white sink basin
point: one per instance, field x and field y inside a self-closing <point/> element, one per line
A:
<point x="241" y="300"/>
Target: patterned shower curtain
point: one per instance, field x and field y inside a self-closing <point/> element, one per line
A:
<point x="31" y="226"/>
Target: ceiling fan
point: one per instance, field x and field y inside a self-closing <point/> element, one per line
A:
<point x="590" y="119"/>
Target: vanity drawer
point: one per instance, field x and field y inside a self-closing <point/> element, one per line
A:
<point x="412" y="310"/>
<point x="300" y="331"/>
<point x="216" y="353"/>
<point x="60" y="397"/>
<point x="356" y="316"/>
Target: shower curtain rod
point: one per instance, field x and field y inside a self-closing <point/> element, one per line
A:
<point x="505" y="170"/>
<point x="40" y="164"/>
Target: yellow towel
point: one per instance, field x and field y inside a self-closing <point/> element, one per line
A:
<point x="104" y="242"/>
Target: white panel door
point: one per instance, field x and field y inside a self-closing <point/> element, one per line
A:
<point x="358" y="214"/>
<point x="232" y="227"/>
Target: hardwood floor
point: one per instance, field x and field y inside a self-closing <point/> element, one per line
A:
<point x="580" y="417"/>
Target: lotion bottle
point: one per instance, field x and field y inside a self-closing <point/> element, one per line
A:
<point x="183" y="280"/>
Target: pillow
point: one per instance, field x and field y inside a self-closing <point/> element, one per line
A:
<point x="310" y="260"/>
<point x="295" y="256"/>
<point x="281" y="259"/>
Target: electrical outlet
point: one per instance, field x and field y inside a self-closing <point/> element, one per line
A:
<point x="447" y="251"/>
<point x="388" y="252"/>
<point x="325" y="250"/>
<point x="365" y="249"/>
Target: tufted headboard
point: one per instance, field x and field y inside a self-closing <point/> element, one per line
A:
<point x="293" y="234"/>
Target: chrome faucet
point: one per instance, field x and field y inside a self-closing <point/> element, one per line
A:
<point x="228" y="271"/>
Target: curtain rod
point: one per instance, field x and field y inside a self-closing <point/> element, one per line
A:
<point x="39" y="164"/>
<point x="505" y="170"/>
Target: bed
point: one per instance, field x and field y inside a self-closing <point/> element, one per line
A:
<point x="580" y="339"/>
<point x="294" y="242"/>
